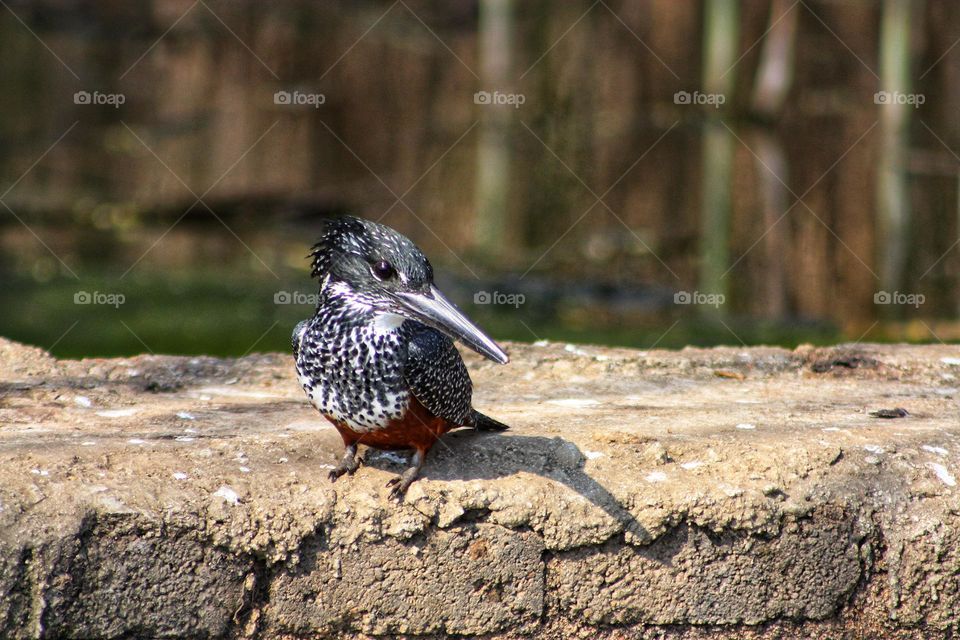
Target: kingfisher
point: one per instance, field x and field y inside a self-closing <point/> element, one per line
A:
<point x="377" y="359"/>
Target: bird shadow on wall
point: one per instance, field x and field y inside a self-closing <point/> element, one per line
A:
<point x="471" y="455"/>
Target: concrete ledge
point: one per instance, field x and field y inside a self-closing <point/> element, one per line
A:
<point x="718" y="493"/>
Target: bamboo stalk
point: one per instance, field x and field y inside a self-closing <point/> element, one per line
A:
<point x="492" y="195"/>
<point x="721" y="31"/>
<point x="893" y="204"/>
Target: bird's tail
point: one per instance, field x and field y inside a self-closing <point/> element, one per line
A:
<point x="486" y="423"/>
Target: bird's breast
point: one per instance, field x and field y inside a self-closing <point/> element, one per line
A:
<point x="352" y="372"/>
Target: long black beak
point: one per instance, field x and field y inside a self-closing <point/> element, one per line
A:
<point x="434" y="310"/>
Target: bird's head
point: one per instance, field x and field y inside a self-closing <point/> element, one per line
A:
<point x="377" y="267"/>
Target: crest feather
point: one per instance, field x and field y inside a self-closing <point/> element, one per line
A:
<point x="334" y="230"/>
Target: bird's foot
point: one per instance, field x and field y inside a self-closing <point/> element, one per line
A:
<point x="400" y="485"/>
<point x="403" y="481"/>
<point x="348" y="465"/>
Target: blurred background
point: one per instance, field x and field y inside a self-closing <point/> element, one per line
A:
<point x="642" y="173"/>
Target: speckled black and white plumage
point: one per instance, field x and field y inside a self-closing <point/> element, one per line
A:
<point x="360" y="366"/>
<point x="436" y="375"/>
<point x="358" y="361"/>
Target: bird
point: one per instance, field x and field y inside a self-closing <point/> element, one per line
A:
<point x="377" y="358"/>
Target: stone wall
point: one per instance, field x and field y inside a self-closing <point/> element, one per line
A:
<point x="705" y="493"/>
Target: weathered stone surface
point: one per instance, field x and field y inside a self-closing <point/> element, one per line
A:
<point x="696" y="576"/>
<point x="705" y="493"/>
<point x="122" y="574"/>
<point x="465" y="580"/>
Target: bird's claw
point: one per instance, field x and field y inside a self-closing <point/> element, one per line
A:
<point x="399" y="489"/>
<point x="343" y="469"/>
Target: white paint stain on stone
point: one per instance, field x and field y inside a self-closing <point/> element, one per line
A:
<point x="953" y="362"/>
<point x="228" y="494"/>
<point x="312" y="425"/>
<point x="572" y="348"/>
<point x="593" y="455"/>
<point x="234" y="393"/>
<point x="136" y="441"/>
<point x="40" y="472"/>
<point x="943" y="473"/>
<point x="940" y="451"/>
<point x="184" y="439"/>
<point x="693" y="464"/>
<point x="656" y="476"/>
<point x="746" y="426"/>
<point x="575" y="403"/>
<point x="117" y="413"/>
<point x="179" y="475"/>
<point x="88" y="443"/>
<point x="730" y="490"/>
<point x="186" y="415"/>
<point x="874" y="448"/>
<point x="392" y="457"/>
<point x="83" y="401"/>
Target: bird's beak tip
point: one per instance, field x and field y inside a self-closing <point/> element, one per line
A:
<point x="435" y="310"/>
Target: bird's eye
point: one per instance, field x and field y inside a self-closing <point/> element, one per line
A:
<point x="383" y="270"/>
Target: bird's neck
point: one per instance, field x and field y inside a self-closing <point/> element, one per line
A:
<point x="338" y="302"/>
<point x="338" y="295"/>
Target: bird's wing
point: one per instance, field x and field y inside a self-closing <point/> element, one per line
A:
<point x="297" y="335"/>
<point x="436" y="375"/>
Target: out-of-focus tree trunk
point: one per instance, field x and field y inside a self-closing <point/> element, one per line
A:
<point x="496" y="39"/>
<point x="776" y="68"/>
<point x="774" y="78"/>
<point x="893" y="203"/>
<point x="720" y="32"/>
